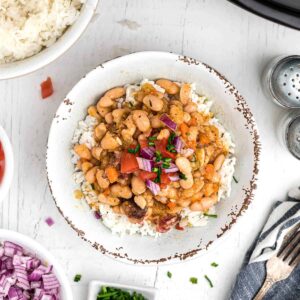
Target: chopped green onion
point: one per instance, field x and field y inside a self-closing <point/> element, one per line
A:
<point x="155" y="169"/>
<point x="158" y="177"/>
<point x="158" y="156"/>
<point x="111" y="293"/>
<point x="236" y="181"/>
<point x="135" y="150"/>
<point x="210" y="215"/>
<point x="152" y="138"/>
<point x="169" y="274"/>
<point x="209" y="281"/>
<point x="167" y="159"/>
<point x="194" y="280"/>
<point x="77" y="277"/>
<point x="182" y="176"/>
<point x="165" y="165"/>
<point x="214" y="264"/>
<point x="151" y="144"/>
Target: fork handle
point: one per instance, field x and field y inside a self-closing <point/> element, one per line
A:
<point x="264" y="289"/>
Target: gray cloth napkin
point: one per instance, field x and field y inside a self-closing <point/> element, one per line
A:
<point x="285" y="215"/>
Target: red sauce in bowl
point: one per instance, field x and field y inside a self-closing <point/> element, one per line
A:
<point x="2" y="160"/>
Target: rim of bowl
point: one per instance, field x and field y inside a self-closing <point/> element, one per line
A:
<point x="44" y="254"/>
<point x="9" y="164"/>
<point x="50" y="54"/>
<point x="243" y="108"/>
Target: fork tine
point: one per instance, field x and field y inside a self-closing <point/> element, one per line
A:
<point x="286" y="239"/>
<point x="289" y="246"/>
<point x="293" y="254"/>
<point x="296" y="261"/>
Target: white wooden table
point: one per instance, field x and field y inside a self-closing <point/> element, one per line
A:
<point x="233" y="41"/>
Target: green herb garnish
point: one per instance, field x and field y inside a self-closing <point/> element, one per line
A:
<point x="182" y="176"/>
<point x="151" y="144"/>
<point x="158" y="177"/>
<point x="209" y="281"/>
<point x="169" y="274"/>
<point x="152" y="138"/>
<point x="158" y="156"/>
<point x="210" y="215"/>
<point x="165" y="165"/>
<point x="110" y="293"/>
<point x="194" y="280"/>
<point x="135" y="150"/>
<point x="214" y="264"/>
<point x="77" y="277"/>
<point x="236" y="181"/>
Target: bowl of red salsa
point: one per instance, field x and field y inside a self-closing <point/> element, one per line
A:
<point x="6" y="163"/>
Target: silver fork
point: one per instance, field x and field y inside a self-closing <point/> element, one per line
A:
<point x="280" y="266"/>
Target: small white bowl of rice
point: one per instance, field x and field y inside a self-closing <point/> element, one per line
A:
<point x="118" y="228"/>
<point x="35" y="33"/>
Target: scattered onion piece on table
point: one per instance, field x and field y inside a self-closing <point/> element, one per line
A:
<point x="49" y="221"/>
<point x="46" y="88"/>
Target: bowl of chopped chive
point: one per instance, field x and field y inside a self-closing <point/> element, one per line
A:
<point x="115" y="291"/>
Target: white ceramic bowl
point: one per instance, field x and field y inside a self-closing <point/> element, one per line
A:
<point x="42" y="253"/>
<point x="95" y="286"/>
<point x="231" y="109"/>
<point x="9" y="164"/>
<point x="46" y="56"/>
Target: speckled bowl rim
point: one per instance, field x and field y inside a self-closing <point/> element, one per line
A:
<point x="243" y="108"/>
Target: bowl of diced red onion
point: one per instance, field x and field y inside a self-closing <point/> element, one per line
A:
<point x="29" y="271"/>
<point x="6" y="163"/>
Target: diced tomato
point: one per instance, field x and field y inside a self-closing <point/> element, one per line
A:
<point x="1" y="152"/>
<point x="164" y="179"/>
<point x="46" y="88"/>
<point x="143" y="144"/>
<point x="162" y="147"/>
<point x="129" y="163"/>
<point x="144" y="175"/>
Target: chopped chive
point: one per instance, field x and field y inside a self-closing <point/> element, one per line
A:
<point x="155" y="169"/>
<point x="151" y="144"/>
<point x="167" y="159"/>
<point x="182" y="176"/>
<point x="135" y="150"/>
<point x="158" y="177"/>
<point x="209" y="281"/>
<point x="152" y="138"/>
<point x="210" y="215"/>
<point x="77" y="277"/>
<point x="214" y="264"/>
<point x="169" y="274"/>
<point x="165" y="166"/>
<point x="194" y="280"/>
<point x="236" y="181"/>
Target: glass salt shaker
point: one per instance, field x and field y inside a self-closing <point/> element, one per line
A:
<point x="281" y="81"/>
<point x="289" y="132"/>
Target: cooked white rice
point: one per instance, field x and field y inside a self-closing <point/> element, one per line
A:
<point x="28" y="26"/>
<point x="120" y="224"/>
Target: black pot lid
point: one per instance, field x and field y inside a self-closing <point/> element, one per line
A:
<point x="286" y="12"/>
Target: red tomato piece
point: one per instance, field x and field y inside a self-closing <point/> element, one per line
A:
<point x="46" y="88"/>
<point x="164" y="179"/>
<point x="129" y="163"/>
<point x="144" y="175"/>
<point x="162" y="147"/>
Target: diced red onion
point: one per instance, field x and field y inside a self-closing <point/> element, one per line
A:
<point x="49" y="221"/>
<point x="147" y="152"/>
<point x="153" y="187"/>
<point x="97" y="215"/>
<point x="178" y="143"/>
<point x="145" y="164"/>
<point x="168" y="122"/>
<point x="23" y="277"/>
<point x="172" y="169"/>
<point x="174" y="177"/>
